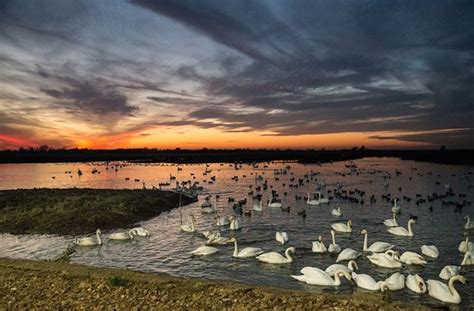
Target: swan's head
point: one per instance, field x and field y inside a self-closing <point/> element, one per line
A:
<point x="98" y="231"/>
<point x="459" y="278"/>
<point x="353" y="265"/>
<point x="320" y="238"/>
<point x="349" y="222"/>
<point x="363" y="231"/>
<point x="345" y="274"/>
<point x="233" y="240"/>
<point x="383" y="286"/>
<point x="332" y="232"/>
<point x="420" y="283"/>
<point x="291" y="249"/>
<point x="466" y="217"/>
<point x="412" y="221"/>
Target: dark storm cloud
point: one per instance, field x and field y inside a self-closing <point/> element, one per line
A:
<point x="338" y="66"/>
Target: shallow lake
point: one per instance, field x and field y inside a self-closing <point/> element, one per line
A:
<point x="168" y="249"/>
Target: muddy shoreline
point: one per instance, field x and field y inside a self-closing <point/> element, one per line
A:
<point x="26" y="284"/>
<point x="80" y="210"/>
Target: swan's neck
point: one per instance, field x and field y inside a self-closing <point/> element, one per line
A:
<point x="393" y="217"/>
<point x="192" y="224"/>
<point x="453" y="290"/>
<point x="349" y="225"/>
<point x="236" y="248"/>
<point x="409" y="228"/>
<point x="365" y="242"/>
<point x="308" y="198"/>
<point x="288" y="256"/>
<point x="99" y="240"/>
<point x="468" y="222"/>
<point x="260" y="204"/>
<point x="333" y="239"/>
<point x="337" y="279"/>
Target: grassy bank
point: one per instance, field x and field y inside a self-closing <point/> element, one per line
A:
<point x="77" y="211"/>
<point x="30" y="285"/>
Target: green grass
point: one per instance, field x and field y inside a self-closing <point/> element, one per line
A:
<point x="78" y="211"/>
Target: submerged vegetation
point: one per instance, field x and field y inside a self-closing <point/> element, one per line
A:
<point x="77" y="211"/>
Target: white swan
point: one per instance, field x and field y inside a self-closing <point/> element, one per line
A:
<point x="204" y="251"/>
<point x="348" y="254"/>
<point x="400" y="231"/>
<point x="351" y="267"/>
<point x="90" y="241"/>
<point x="336" y="211"/>
<point x="140" y="232"/>
<point x="396" y="281"/>
<point x="365" y="281"/>
<point x="281" y="237"/>
<point x="391" y="222"/>
<point x="234" y="223"/>
<point x="221" y="221"/>
<point x="210" y="234"/>
<point x="333" y="247"/>
<point x="121" y="236"/>
<point x="376" y="247"/>
<point x="315" y="276"/>
<point x="246" y="252"/>
<point x="443" y="292"/>
<point x="449" y="271"/>
<point x="412" y="258"/>
<point x="430" y="251"/>
<point x="465" y="245"/>
<point x="395" y="207"/>
<point x="276" y="258"/>
<point x="322" y="200"/>
<point x="416" y="284"/>
<point x="318" y="246"/>
<point x="273" y="204"/>
<point x="469" y="225"/>
<point x="217" y="239"/>
<point x="340" y="227"/>
<point x="389" y="259"/>
<point x="468" y="258"/>
<point x="258" y="207"/>
<point x="312" y="202"/>
<point x="188" y="227"/>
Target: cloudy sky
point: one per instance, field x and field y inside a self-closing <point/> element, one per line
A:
<point x="192" y="74"/>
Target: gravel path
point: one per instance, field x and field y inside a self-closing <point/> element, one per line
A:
<point x="39" y="285"/>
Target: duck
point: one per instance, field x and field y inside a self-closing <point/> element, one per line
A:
<point x="351" y="267"/>
<point x="468" y="258"/>
<point x="276" y="258"/>
<point x="318" y="246"/>
<point x="336" y="211"/>
<point x="389" y="259"/>
<point x="400" y="231"/>
<point x="281" y="237"/>
<point x="274" y="204"/>
<point x="445" y="292"/>
<point x="465" y="245"/>
<point x="391" y="222"/>
<point x="234" y="223"/>
<point x="189" y="227"/>
<point x="468" y="225"/>
<point x="395" y="208"/>
<point x="204" y="251"/>
<point x="322" y="200"/>
<point x="245" y="252"/>
<point x="121" y="236"/>
<point x="448" y="271"/>
<point x="348" y="254"/>
<point x="315" y="276"/>
<point x="333" y="247"/>
<point x="415" y="283"/>
<point x="258" y="207"/>
<point x="140" y="232"/>
<point x="210" y="233"/>
<point x="412" y="258"/>
<point x="376" y="247"/>
<point x="365" y="281"/>
<point x="396" y="281"/>
<point x="340" y="227"/>
<point x="430" y="251"/>
<point x="89" y="241"/>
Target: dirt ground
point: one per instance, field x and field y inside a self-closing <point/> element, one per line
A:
<point x="40" y="285"/>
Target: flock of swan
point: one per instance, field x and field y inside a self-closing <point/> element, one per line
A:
<point x="379" y="253"/>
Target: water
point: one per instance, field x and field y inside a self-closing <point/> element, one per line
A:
<point x="168" y="250"/>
